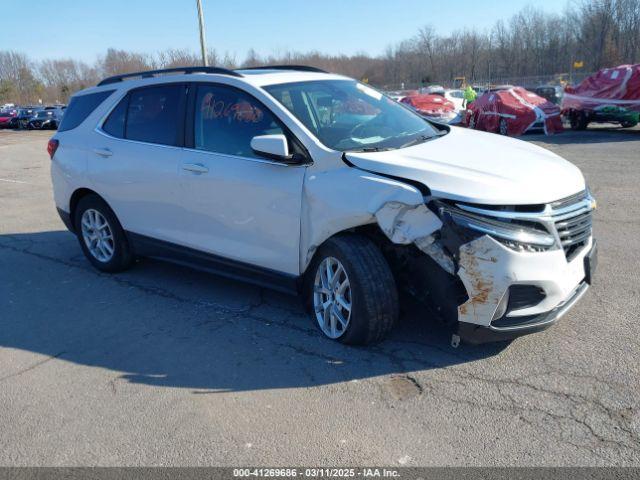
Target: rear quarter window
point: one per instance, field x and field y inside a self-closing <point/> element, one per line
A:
<point x="80" y="108"/>
<point x="115" y="124"/>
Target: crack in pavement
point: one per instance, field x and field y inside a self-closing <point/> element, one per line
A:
<point x="32" y="367"/>
<point x="399" y="357"/>
<point x="576" y="400"/>
<point x="152" y="290"/>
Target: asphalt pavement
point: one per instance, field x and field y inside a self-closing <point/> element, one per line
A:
<point x="162" y="365"/>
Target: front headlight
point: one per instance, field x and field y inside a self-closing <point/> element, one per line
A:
<point x="512" y="234"/>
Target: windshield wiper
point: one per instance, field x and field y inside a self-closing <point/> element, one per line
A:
<point x="371" y="149"/>
<point x="424" y="138"/>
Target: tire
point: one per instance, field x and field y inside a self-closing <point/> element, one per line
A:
<point x="578" y="120"/>
<point x="121" y="256"/>
<point x="503" y="127"/>
<point x="372" y="293"/>
<point x="628" y="124"/>
<point x="472" y="122"/>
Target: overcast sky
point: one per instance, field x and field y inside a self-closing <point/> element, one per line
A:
<point x="83" y="29"/>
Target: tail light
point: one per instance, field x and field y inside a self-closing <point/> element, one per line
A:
<point x="52" y="146"/>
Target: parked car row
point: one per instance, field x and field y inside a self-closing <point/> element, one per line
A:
<point x="611" y="95"/>
<point x="32" y="118"/>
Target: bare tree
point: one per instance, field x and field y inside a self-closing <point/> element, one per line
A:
<point x="116" y="62"/>
<point x="530" y="44"/>
<point x="178" y="58"/>
<point x="18" y="82"/>
<point x="63" y="77"/>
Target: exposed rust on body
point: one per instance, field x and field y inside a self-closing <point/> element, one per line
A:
<point x="481" y="282"/>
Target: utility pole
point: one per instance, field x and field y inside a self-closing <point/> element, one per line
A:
<point x="203" y="41"/>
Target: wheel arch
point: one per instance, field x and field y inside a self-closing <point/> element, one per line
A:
<point x="78" y="195"/>
<point x="370" y="230"/>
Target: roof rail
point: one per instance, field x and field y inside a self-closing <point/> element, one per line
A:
<point x="301" y="68"/>
<point x="153" y="73"/>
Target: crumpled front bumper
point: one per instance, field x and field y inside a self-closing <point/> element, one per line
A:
<point x="488" y="269"/>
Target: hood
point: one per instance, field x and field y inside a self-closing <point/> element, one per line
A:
<point x="478" y="167"/>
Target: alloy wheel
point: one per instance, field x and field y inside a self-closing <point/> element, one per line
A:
<point x="97" y="235"/>
<point x="332" y="301"/>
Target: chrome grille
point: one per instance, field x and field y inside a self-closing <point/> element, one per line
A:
<point x="569" y="201"/>
<point x="572" y="219"/>
<point x="568" y="220"/>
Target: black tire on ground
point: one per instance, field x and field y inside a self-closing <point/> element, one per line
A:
<point x="503" y="127"/>
<point x="628" y="124"/>
<point x="374" y="296"/>
<point x="578" y="120"/>
<point x="122" y="257"/>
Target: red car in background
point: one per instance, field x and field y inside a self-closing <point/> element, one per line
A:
<point x="513" y="111"/>
<point x="612" y="95"/>
<point x="5" y="118"/>
<point x="432" y="106"/>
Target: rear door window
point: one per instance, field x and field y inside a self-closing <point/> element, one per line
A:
<point x="80" y="108"/>
<point x="226" y="119"/>
<point x="155" y="114"/>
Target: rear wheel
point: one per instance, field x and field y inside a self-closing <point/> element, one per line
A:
<point x="100" y="235"/>
<point x="628" y="124"/>
<point x="351" y="291"/>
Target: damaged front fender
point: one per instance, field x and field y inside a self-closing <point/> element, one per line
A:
<point x="358" y="198"/>
<point x="337" y="200"/>
<point x="404" y="224"/>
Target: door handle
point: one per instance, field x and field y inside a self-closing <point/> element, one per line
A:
<point x="195" y="168"/>
<point x="103" y="152"/>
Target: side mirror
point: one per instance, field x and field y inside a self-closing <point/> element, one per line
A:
<point x="274" y="147"/>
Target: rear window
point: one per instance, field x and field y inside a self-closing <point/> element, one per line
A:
<point x="80" y="108"/>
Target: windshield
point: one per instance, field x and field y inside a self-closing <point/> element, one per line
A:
<point x="348" y="116"/>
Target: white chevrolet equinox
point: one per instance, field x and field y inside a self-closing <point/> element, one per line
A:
<point x="310" y="182"/>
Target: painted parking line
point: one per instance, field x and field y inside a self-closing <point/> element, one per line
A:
<point x="8" y="180"/>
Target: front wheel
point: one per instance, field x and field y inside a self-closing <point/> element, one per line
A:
<point x="503" y="127"/>
<point x="628" y="124"/>
<point x="472" y="122"/>
<point x="351" y="291"/>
